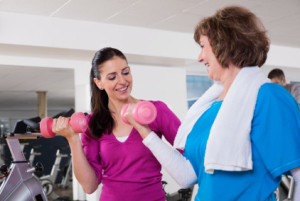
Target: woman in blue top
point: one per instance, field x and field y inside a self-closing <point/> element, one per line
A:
<point x="243" y="133"/>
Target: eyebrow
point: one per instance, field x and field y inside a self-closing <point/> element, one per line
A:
<point x="113" y="73"/>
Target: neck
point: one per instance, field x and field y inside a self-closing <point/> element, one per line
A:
<point x="115" y="106"/>
<point x="228" y="78"/>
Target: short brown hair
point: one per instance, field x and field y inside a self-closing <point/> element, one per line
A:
<point x="276" y="73"/>
<point x="236" y="35"/>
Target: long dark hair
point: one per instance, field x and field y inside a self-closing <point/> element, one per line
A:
<point x="101" y="121"/>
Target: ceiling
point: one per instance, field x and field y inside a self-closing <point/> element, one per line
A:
<point x="17" y="86"/>
<point x="281" y="17"/>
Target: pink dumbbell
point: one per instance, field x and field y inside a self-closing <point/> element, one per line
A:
<point x="78" y="123"/>
<point x="144" y="112"/>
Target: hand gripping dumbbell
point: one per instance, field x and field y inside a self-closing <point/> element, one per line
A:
<point x="77" y="122"/>
<point x="144" y="112"/>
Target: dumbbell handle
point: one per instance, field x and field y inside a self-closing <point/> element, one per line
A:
<point x="78" y="123"/>
<point x="144" y="112"/>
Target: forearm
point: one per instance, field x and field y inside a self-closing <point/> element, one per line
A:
<point x="296" y="175"/>
<point x="179" y="168"/>
<point x="83" y="171"/>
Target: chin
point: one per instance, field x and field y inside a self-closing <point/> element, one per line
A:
<point x="124" y="96"/>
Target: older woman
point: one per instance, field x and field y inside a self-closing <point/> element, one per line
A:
<point x="243" y="133"/>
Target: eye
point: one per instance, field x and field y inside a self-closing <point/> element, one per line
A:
<point x="201" y="43"/>
<point x="126" y="71"/>
<point x="111" y="77"/>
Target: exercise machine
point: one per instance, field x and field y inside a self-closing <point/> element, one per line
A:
<point x="33" y="153"/>
<point x="20" y="183"/>
<point x="285" y="190"/>
<point x="180" y="195"/>
<point x="67" y="175"/>
<point x="48" y="181"/>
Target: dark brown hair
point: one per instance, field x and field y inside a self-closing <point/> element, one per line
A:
<point x="101" y="121"/>
<point x="236" y="35"/>
<point x="276" y="73"/>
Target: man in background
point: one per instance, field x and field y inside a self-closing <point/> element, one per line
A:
<point x="277" y="76"/>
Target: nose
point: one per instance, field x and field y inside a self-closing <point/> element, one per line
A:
<point x="200" y="59"/>
<point x="122" y="79"/>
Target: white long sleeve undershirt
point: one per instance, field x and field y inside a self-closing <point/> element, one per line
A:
<point x="179" y="168"/>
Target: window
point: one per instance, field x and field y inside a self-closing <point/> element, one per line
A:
<point x="4" y="126"/>
<point x="196" y="86"/>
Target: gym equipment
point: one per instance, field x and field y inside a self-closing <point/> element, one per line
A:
<point x="48" y="181"/>
<point x="27" y="125"/>
<point x="20" y="184"/>
<point x="285" y="190"/>
<point x="64" y="113"/>
<point x="78" y="123"/>
<point x="33" y="153"/>
<point x="144" y="112"/>
<point x="30" y="125"/>
<point x="67" y="175"/>
<point x="180" y="195"/>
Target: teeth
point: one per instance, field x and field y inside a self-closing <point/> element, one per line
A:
<point x="123" y="89"/>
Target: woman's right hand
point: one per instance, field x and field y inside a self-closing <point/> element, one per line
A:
<point x="61" y="126"/>
<point x="144" y="130"/>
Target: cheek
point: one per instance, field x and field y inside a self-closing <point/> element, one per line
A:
<point x="129" y="79"/>
<point x="109" y="85"/>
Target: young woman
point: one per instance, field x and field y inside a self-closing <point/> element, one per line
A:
<point x="111" y="152"/>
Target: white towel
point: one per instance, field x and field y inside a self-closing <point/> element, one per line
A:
<point x="228" y="147"/>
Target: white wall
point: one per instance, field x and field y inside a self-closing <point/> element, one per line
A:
<point x="62" y="33"/>
<point x="167" y="84"/>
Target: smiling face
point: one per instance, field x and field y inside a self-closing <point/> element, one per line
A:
<point x="214" y="68"/>
<point x="115" y="79"/>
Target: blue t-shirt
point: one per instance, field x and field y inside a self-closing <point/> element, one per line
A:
<point x="275" y="142"/>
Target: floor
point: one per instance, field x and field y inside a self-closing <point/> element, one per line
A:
<point x="61" y="194"/>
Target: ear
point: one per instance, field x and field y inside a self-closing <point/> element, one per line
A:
<point x="98" y="83"/>
<point x="284" y="81"/>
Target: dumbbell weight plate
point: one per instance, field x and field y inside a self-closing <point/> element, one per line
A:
<point x="78" y="122"/>
<point x="123" y="112"/>
<point x="46" y="127"/>
<point x="144" y="112"/>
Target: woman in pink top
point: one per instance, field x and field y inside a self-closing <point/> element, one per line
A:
<point x="111" y="152"/>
